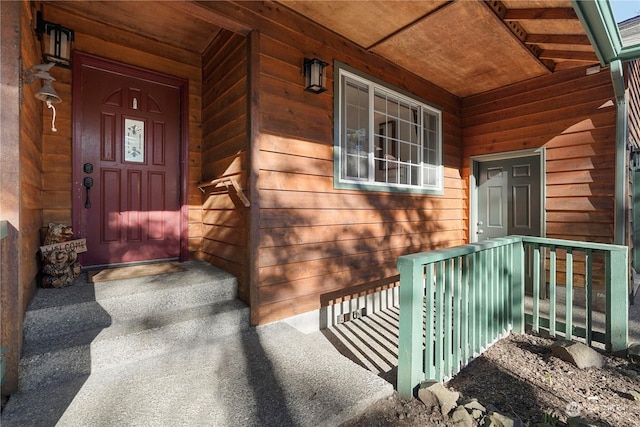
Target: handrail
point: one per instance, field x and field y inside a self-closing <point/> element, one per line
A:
<point x="227" y="182"/>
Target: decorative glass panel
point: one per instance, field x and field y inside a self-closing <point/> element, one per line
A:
<point x="134" y="141"/>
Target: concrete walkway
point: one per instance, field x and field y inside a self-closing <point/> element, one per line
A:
<point x="271" y="375"/>
<point x="268" y="376"/>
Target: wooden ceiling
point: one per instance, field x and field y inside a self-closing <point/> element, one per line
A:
<point x="178" y="24"/>
<point x="465" y="46"/>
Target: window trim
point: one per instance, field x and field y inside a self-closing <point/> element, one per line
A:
<point x="338" y="183"/>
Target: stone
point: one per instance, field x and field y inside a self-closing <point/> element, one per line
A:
<point x="429" y="399"/>
<point x="496" y="419"/>
<point x="578" y="354"/>
<point x="474" y="404"/>
<point x="578" y="422"/>
<point x="634" y="353"/>
<point x="447" y="400"/>
<point x="461" y="418"/>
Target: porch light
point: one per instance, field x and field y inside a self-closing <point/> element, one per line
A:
<point x="56" y="42"/>
<point x="314" y="77"/>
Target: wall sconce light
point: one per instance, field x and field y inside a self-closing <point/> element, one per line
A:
<point x="47" y="93"/>
<point x="314" y="77"/>
<point x="56" y="41"/>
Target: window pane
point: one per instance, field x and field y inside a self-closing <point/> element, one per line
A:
<point x="356" y="147"/>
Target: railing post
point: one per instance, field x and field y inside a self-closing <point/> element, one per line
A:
<point x="517" y="288"/>
<point x="410" y="357"/>
<point x="617" y="309"/>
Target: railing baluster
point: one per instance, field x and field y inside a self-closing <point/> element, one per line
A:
<point x="588" y="288"/>
<point x="439" y="317"/>
<point x="506" y="275"/>
<point x="552" y="289"/>
<point x="568" y="333"/>
<point x="457" y="318"/>
<point x="493" y="296"/>
<point x="464" y="310"/>
<point x="473" y="304"/>
<point x="483" y="299"/>
<point x="448" y="316"/>
<point x="430" y="288"/>
<point x="517" y="287"/>
<point x="536" y="287"/>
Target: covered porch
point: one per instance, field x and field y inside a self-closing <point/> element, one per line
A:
<point x="509" y="79"/>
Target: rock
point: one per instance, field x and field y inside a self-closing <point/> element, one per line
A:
<point x="634" y="353"/>
<point x="461" y="418"/>
<point x="578" y="422"/>
<point x="429" y="399"/>
<point x="577" y="353"/>
<point x="447" y="400"/>
<point x="496" y="419"/>
<point x="474" y="404"/>
<point x="635" y="394"/>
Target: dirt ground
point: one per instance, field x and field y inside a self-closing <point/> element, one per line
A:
<point x="519" y="377"/>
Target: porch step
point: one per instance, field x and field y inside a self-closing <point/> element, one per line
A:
<point x="86" y="328"/>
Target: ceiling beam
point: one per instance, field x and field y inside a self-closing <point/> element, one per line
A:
<point x="518" y="32"/>
<point x="200" y="11"/>
<point x="542" y="13"/>
<point x="569" y="55"/>
<point x="576" y="39"/>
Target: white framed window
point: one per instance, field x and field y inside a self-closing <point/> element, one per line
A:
<point x="385" y="139"/>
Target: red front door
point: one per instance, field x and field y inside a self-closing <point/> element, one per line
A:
<point x="127" y="180"/>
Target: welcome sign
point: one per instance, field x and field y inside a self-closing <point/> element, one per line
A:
<point x="79" y="246"/>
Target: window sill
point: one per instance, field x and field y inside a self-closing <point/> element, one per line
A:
<point x="383" y="188"/>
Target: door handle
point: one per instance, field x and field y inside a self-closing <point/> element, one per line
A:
<point x="480" y="232"/>
<point x="88" y="183"/>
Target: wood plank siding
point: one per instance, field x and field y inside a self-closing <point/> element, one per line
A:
<point x="572" y="116"/>
<point x="224" y="154"/>
<point x="20" y="180"/>
<point x="313" y="240"/>
<point x="138" y="51"/>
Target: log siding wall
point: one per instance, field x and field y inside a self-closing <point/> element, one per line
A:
<point x="20" y="180"/>
<point x="224" y="154"/>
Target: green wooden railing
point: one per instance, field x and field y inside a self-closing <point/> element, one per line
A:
<point x="455" y="302"/>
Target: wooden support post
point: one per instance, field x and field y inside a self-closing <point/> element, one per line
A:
<point x="410" y="358"/>
<point x="617" y="305"/>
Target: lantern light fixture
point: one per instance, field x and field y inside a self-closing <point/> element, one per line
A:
<point x="56" y="41"/>
<point x="314" y="76"/>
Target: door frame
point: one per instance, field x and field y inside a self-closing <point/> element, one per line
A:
<point x="474" y="162"/>
<point x="81" y="59"/>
